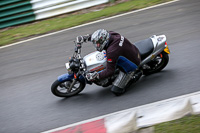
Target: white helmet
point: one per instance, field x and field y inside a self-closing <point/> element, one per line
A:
<point x="100" y="38"/>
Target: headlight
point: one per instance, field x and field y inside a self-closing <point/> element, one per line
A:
<point x="67" y="65"/>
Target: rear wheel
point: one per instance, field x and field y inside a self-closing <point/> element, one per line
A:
<point x="157" y="64"/>
<point x="61" y="89"/>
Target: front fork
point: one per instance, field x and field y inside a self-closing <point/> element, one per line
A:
<point x="73" y="81"/>
<point x="72" y="84"/>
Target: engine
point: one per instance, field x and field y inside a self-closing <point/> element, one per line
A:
<point x="105" y="82"/>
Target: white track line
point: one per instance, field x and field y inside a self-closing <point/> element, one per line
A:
<point x="89" y="23"/>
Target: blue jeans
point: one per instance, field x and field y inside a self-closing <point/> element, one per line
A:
<point x="126" y="64"/>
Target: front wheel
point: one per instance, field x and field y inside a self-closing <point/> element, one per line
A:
<point x="61" y="89"/>
<point x="157" y="64"/>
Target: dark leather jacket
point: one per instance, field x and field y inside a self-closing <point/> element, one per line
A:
<point x="118" y="46"/>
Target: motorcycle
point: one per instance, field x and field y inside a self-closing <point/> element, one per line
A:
<point x="154" y="53"/>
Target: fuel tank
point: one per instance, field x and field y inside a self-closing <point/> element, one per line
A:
<point x="95" y="61"/>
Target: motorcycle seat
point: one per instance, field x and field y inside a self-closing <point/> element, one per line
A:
<point x="145" y="47"/>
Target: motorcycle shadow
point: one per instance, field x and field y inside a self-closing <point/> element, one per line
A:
<point x="148" y="81"/>
<point x="88" y="94"/>
<point x="96" y="92"/>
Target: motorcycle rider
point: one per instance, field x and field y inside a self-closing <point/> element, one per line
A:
<point x="119" y="50"/>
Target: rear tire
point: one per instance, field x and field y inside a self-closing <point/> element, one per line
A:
<point x="60" y="89"/>
<point x="157" y="64"/>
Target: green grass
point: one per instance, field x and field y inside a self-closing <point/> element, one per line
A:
<point x="62" y="22"/>
<point x="188" y="124"/>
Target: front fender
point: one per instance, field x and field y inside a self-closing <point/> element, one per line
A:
<point x="65" y="77"/>
<point x="69" y="77"/>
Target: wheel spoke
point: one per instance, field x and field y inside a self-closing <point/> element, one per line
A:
<point x="64" y="87"/>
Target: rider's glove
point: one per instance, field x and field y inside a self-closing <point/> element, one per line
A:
<point x="92" y="76"/>
<point x="87" y="38"/>
<point x="81" y="39"/>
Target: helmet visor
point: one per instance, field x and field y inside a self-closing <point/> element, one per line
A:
<point x="97" y="46"/>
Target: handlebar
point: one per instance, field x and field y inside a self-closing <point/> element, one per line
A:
<point x="77" y="50"/>
<point x="77" y="63"/>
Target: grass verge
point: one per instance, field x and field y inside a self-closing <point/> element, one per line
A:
<point x="18" y="33"/>
<point x="187" y="124"/>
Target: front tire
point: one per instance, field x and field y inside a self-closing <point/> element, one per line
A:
<point x="60" y="89"/>
<point x="156" y="65"/>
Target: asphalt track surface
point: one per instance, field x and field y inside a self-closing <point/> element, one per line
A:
<point x="27" y="71"/>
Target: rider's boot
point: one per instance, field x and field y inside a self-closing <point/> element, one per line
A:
<point x="117" y="91"/>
